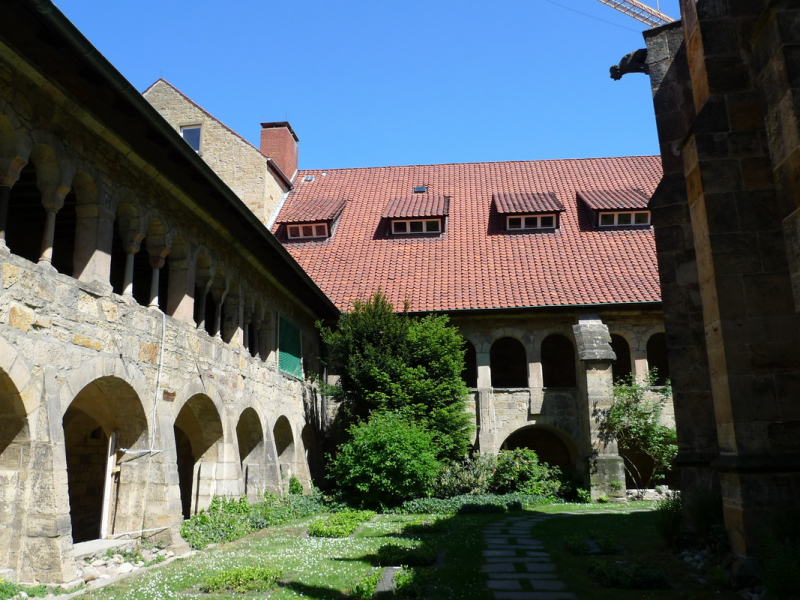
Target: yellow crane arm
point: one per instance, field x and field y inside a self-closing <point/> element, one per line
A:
<point x="640" y="12"/>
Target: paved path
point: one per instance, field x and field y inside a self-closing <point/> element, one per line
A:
<point x="517" y="567"/>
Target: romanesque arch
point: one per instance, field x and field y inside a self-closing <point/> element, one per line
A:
<point x="558" y="362"/>
<point x="508" y="363"/>
<point x="105" y="431"/>
<point x="284" y="446"/>
<point x="552" y="445"/>
<point x="252" y="455"/>
<point x="622" y="367"/>
<point x="198" y="436"/>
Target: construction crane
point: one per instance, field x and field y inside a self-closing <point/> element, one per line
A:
<point x="641" y="12"/>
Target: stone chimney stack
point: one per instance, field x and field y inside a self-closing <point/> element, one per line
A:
<point x="279" y="142"/>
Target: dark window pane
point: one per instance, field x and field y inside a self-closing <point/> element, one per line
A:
<point x="606" y="219"/>
<point x="558" y="362"/>
<point x="294" y="231"/>
<point x="508" y="363"/>
<point x="400" y="227"/>
<point x="308" y="231"/>
<point x="515" y="223"/>
<point x="622" y="366"/>
<point x="548" y="221"/>
<point x="416" y="226"/>
<point x="320" y="230"/>
<point x="624" y="219"/>
<point x="531" y="222"/>
<point x="432" y="226"/>
<point x="470" y="372"/>
<point x="657" y="357"/>
<point x="192" y="137"/>
<point x="642" y="218"/>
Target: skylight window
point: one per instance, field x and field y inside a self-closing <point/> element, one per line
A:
<point x="308" y="178"/>
<point x="420" y="189"/>
<point x="191" y="133"/>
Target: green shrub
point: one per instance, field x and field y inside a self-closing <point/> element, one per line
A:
<point x="339" y="525"/>
<point x="242" y="580"/>
<point x="779" y="556"/>
<point x="468" y="504"/>
<point x="209" y="527"/>
<point x="412" y="582"/>
<point x="626" y="576"/>
<point x="365" y="588"/>
<point x="470" y="475"/>
<point x="576" y="544"/>
<point x="9" y="589"/>
<point x="426" y="527"/>
<point x="395" y="555"/>
<point x="607" y="543"/>
<point x="295" y="487"/>
<point x="519" y="471"/>
<point x="669" y="519"/>
<point x="387" y="460"/>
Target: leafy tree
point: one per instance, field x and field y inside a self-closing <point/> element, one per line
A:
<point x="386" y="460"/>
<point x="634" y="422"/>
<point x="389" y="361"/>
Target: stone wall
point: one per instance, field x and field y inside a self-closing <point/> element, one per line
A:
<point x="147" y="364"/>
<point x="238" y="163"/>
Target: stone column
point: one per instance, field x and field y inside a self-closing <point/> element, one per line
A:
<point x="93" y="237"/>
<point x="127" y="279"/>
<point x="180" y="299"/>
<point x="157" y="257"/>
<point x="678" y="269"/>
<point x="246" y="320"/>
<point x="46" y="253"/>
<point x="232" y="318"/>
<point x="218" y="295"/>
<point x="596" y="394"/>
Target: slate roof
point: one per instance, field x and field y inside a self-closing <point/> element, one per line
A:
<point x="527" y="202"/>
<point x="475" y="264"/>
<point x="418" y="205"/>
<point x="311" y="209"/>
<point x="627" y="199"/>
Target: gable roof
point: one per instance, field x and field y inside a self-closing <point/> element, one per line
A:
<point x="419" y="205"/>
<point x="628" y="199"/>
<point x="527" y="202"/>
<point x="476" y="264"/>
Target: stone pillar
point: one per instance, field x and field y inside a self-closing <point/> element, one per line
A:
<point x="218" y="295"/>
<point x="46" y="253"/>
<point x="677" y="264"/>
<point x="93" y="237"/>
<point x="484" y="405"/>
<point x="246" y="320"/>
<point x="751" y="326"/>
<point x="232" y="319"/>
<point x="157" y="257"/>
<point x="180" y="298"/>
<point x="127" y="278"/>
<point x="595" y="381"/>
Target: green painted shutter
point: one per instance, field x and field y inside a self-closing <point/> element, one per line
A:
<point x="290" y="355"/>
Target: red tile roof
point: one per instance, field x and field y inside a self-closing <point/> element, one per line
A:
<point x="629" y="199"/>
<point x="311" y="209"/>
<point x="419" y="205"/>
<point x="527" y="202"/>
<point x="475" y="264"/>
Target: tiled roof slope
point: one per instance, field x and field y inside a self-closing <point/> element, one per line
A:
<point x="629" y="199"/>
<point x="475" y="264"/>
<point x="530" y="202"/>
<point x="419" y="205"/>
<point x="312" y="209"/>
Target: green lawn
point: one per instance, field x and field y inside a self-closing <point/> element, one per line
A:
<point x="323" y="568"/>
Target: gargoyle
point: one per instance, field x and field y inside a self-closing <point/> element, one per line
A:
<point x="635" y="62"/>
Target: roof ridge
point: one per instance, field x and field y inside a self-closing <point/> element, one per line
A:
<point x="490" y="162"/>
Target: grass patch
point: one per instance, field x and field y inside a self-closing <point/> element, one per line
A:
<point x="242" y="580"/>
<point x="339" y="525"/>
<point x="394" y="555"/>
<point x="365" y="588"/>
<point x="9" y="589"/>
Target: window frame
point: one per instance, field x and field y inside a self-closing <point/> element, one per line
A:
<point x="424" y="222"/>
<point x="313" y="224"/>
<point x="537" y="216"/>
<point x="616" y="214"/>
<point x="199" y="128"/>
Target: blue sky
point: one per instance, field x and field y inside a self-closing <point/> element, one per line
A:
<point x="371" y="83"/>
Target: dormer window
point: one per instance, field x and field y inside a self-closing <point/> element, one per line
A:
<point x="191" y="134"/>
<point x="417" y="226"/>
<point x="531" y="222"/>
<point x="617" y="208"/>
<point x="625" y="218"/>
<point x="417" y="215"/>
<point x="308" y="230"/>
<point x="528" y="211"/>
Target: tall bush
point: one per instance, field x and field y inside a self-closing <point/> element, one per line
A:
<point x="390" y="361"/>
<point x="385" y="461"/>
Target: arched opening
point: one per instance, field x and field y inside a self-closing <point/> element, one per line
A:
<point x="14" y="455"/>
<point x="198" y="429"/>
<point x="252" y="337"/>
<point x="508" y="363"/>
<point x="284" y="446"/>
<point x="105" y="484"/>
<point x="470" y="372"/>
<point x="621" y="369"/>
<point x="657" y="357"/>
<point x="313" y="453"/>
<point x="550" y="447"/>
<point x="558" y="362"/>
<point x="250" y="437"/>
<point x="64" y="235"/>
<point x="142" y="274"/>
<point x="26" y="216"/>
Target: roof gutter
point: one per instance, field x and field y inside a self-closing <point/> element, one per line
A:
<point x="91" y="55"/>
<point x="510" y="309"/>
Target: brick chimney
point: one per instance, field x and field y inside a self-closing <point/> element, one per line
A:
<point x="279" y="142"/>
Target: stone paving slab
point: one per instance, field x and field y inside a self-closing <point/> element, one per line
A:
<point x="499" y="568"/>
<point x="509" y="553"/>
<point x="519" y="559"/>
<point x="526" y="576"/>
<point x="534" y="596"/>
<point x="503" y="584"/>
<point x="539" y="568"/>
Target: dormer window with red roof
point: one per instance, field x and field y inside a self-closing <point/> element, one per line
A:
<point x="529" y="211"/>
<point x="617" y="208"/>
<point x="315" y="219"/>
<point x="417" y="215"/>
